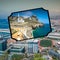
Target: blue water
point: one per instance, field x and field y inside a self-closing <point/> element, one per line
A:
<point x="5" y="34"/>
<point x="41" y="31"/>
<point x="4" y="24"/>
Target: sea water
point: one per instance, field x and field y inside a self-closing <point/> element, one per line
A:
<point x="41" y="31"/>
<point x="4" y="25"/>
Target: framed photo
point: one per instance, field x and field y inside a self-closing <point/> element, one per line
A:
<point x="28" y="24"/>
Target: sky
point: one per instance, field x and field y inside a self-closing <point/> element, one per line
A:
<point x="9" y="6"/>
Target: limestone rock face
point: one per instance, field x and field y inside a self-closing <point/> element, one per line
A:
<point x="31" y="21"/>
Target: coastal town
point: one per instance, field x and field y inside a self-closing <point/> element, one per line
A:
<point x="30" y="38"/>
<point x="44" y="48"/>
<point x="29" y="30"/>
<point x="22" y="28"/>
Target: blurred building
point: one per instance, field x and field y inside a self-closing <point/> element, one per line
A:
<point x="3" y="44"/>
<point x="32" y="46"/>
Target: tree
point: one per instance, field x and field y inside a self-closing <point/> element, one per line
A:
<point x="17" y="57"/>
<point x="38" y="57"/>
<point x="4" y="56"/>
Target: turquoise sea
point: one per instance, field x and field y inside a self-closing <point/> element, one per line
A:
<point x="4" y="25"/>
<point x="41" y="31"/>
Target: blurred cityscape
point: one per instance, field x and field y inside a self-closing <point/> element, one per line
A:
<point x="44" y="48"/>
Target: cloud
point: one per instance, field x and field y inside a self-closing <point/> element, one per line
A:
<point x="26" y="16"/>
<point x="27" y="13"/>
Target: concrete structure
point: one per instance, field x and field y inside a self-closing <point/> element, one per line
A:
<point x="32" y="46"/>
<point x="54" y="54"/>
<point x="17" y="48"/>
<point x="3" y="45"/>
<point x="55" y="35"/>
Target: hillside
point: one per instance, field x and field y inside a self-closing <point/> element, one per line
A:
<point x="30" y="22"/>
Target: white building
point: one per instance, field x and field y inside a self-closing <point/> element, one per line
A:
<point x="20" y="19"/>
<point x="55" y="35"/>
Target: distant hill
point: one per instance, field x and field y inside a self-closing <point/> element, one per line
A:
<point x="31" y="21"/>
